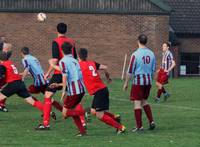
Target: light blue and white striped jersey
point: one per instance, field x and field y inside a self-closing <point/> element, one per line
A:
<point x="35" y="69"/>
<point x="70" y="67"/>
<point x="142" y="66"/>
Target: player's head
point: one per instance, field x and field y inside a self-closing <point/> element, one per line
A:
<point x="3" y="56"/>
<point x="165" y="46"/>
<point x="142" y="39"/>
<point x="25" y="51"/>
<point x="61" y="28"/>
<point x="67" y="48"/>
<point x="83" y="53"/>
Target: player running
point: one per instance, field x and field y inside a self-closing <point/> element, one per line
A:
<point x="6" y="47"/>
<point x="57" y="76"/>
<point x="98" y="89"/>
<point x="14" y="83"/>
<point x="73" y="87"/>
<point x="141" y="67"/>
<point x="32" y="65"/>
<point x="167" y="65"/>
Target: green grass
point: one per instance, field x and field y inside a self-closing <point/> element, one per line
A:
<point x="178" y="121"/>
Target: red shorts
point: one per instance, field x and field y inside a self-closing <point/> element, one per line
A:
<point x="35" y="90"/>
<point x="140" y="92"/>
<point x="72" y="101"/>
<point x="162" y="77"/>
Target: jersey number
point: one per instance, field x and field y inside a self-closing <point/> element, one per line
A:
<point x="91" y="68"/>
<point x="14" y="69"/>
<point x="146" y="59"/>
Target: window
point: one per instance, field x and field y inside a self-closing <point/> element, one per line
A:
<point x="191" y="62"/>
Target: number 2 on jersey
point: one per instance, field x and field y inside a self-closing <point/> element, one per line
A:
<point x="91" y="68"/>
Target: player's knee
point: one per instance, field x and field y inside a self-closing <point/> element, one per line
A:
<point x="99" y="114"/>
<point x="48" y="94"/>
<point x="93" y="111"/>
<point x="30" y="100"/>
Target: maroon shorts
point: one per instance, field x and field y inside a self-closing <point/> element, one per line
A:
<point x="140" y="92"/>
<point x="72" y="101"/>
<point x="35" y="90"/>
<point x="162" y="77"/>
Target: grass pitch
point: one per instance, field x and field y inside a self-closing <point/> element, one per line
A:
<point x="177" y="120"/>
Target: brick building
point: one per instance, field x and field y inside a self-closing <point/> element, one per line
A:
<point x="185" y="24"/>
<point x="108" y="28"/>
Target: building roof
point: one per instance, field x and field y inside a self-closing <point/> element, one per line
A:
<point x="86" y="6"/>
<point x="185" y="16"/>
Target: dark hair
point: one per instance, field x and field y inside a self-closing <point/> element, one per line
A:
<point x="83" y="53"/>
<point x="62" y="28"/>
<point x="168" y="44"/>
<point x="3" y="56"/>
<point x="142" y="39"/>
<point x="67" y="48"/>
<point x="25" y="50"/>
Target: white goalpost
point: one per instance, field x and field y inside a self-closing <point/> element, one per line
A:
<point x="124" y="67"/>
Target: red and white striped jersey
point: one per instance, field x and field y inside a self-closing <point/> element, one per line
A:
<point x="167" y="59"/>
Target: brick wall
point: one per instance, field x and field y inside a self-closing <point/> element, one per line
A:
<point x="108" y="37"/>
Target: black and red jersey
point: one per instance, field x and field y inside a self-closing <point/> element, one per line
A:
<point x="57" y="49"/>
<point x="11" y="73"/>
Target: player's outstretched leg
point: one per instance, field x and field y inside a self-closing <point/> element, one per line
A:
<point x="165" y="93"/>
<point x="75" y="114"/>
<point x="108" y="118"/>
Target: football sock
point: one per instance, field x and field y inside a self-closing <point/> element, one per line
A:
<point x="3" y="102"/>
<point x="38" y="105"/>
<point x="57" y="105"/>
<point x="79" y="125"/>
<point x="82" y="117"/>
<point x="110" y="121"/>
<point x="34" y="98"/>
<point x="138" y="117"/>
<point x="163" y="90"/>
<point x="159" y="92"/>
<point x="147" y="110"/>
<point x="74" y="112"/>
<point x="46" y="111"/>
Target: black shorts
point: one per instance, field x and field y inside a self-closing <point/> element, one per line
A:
<point x="16" y="87"/>
<point x="56" y="78"/>
<point x="101" y="100"/>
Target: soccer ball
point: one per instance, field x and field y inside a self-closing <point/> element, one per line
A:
<point x="41" y="17"/>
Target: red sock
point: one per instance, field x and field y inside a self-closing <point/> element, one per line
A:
<point x="159" y="93"/>
<point x="71" y="112"/>
<point x="46" y="111"/>
<point x="79" y="125"/>
<point x="110" y="121"/>
<point x="148" y="112"/>
<point x="82" y="117"/>
<point x="138" y="117"/>
<point x="110" y="114"/>
<point x="38" y="105"/>
<point x="163" y="90"/>
<point x="3" y="102"/>
<point x="57" y="105"/>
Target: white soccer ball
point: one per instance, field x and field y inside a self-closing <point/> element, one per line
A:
<point x="41" y="17"/>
